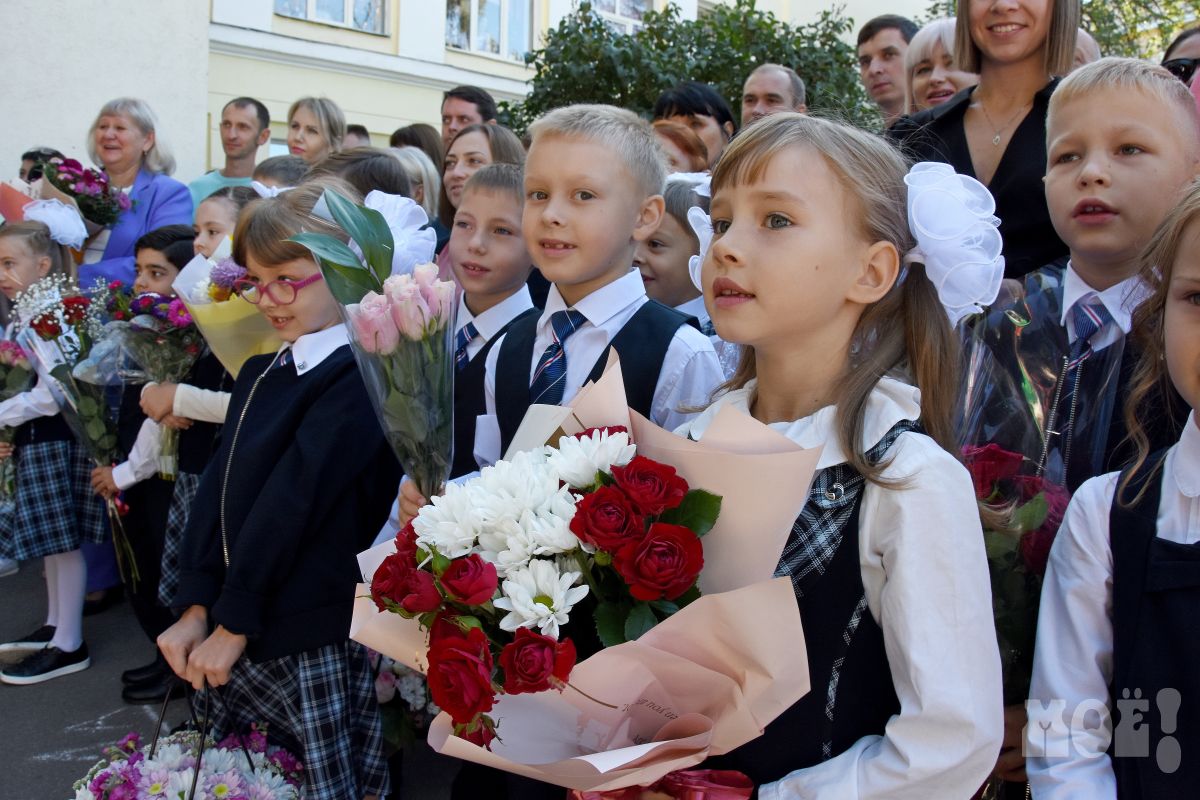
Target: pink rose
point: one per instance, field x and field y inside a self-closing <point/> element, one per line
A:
<point x="425" y="275"/>
<point x="409" y="309"/>
<point x="373" y="324"/>
<point x="444" y="290"/>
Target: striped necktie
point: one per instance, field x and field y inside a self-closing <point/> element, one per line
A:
<point x="1088" y="317"/>
<point x="549" y="380"/>
<point x="465" y="334"/>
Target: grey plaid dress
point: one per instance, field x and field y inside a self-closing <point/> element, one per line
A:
<point x="319" y="705"/>
<point x="54" y="509"/>
<point x="186" y="484"/>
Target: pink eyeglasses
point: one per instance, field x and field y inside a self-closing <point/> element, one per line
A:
<point x="282" y="292"/>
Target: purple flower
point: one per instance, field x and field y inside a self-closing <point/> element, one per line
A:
<point x="225" y="273"/>
<point x="177" y="314"/>
<point x="131" y="742"/>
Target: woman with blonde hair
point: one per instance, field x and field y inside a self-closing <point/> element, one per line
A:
<point x="931" y="76"/>
<point x="124" y="142"/>
<point x="316" y="128"/>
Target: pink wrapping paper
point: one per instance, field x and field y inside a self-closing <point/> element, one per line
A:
<point x="701" y="683"/>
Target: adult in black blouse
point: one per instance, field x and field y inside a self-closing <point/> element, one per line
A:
<point x="996" y="131"/>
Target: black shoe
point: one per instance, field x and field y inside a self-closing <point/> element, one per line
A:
<point x="107" y="599"/>
<point x="153" y="672"/>
<point x="152" y="692"/>
<point x="30" y="641"/>
<point x="46" y="664"/>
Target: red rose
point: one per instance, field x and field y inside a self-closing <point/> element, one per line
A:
<point x="471" y="580"/>
<point x="74" y="309"/>
<point x="607" y="519"/>
<point x="533" y="662"/>
<point x="989" y="465"/>
<point x="412" y="589"/>
<point x="1035" y="544"/>
<point x="481" y="733"/>
<point x="460" y="676"/>
<point x="406" y="544"/>
<point x="664" y="565"/>
<point x="46" y="326"/>
<point x="444" y="627"/>
<point x="652" y="486"/>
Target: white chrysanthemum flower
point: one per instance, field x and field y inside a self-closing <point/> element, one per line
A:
<point x="168" y="756"/>
<point x="84" y="794"/>
<point x="450" y="523"/>
<point x="220" y="760"/>
<point x="179" y="784"/>
<point x="539" y="596"/>
<point x="550" y="531"/>
<point x="267" y="784"/>
<point x="578" y="460"/>
<point x="507" y="545"/>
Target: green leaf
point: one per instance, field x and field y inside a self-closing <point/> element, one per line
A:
<point x="348" y="284"/>
<point x="664" y="607"/>
<point x="1030" y="516"/>
<point x="610" y="623"/>
<point x="368" y="229"/>
<point x="698" y="511"/>
<point x="327" y="248"/>
<point x="998" y="545"/>
<point x="640" y="620"/>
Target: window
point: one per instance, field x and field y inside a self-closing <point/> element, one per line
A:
<point x="623" y="16"/>
<point x="498" y="27"/>
<point x="361" y="15"/>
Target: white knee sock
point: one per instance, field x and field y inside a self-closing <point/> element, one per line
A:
<point x="72" y="586"/>
<point x="51" y="568"/>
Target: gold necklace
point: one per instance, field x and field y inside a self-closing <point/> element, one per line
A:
<point x="1000" y="130"/>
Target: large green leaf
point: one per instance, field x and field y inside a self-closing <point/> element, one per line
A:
<point x="698" y="511"/>
<point x="326" y="247"/>
<point x="368" y="229"/>
<point x="348" y="284"/>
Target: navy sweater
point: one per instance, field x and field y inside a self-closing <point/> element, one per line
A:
<point x="310" y="481"/>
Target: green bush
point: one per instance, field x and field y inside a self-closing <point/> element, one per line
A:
<point x="583" y="60"/>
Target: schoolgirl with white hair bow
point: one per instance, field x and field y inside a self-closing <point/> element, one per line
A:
<point x="848" y="345"/>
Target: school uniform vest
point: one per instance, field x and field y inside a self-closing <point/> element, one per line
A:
<point x="1155" y="748"/>
<point x="641" y="343"/>
<point x="852" y="693"/>
<point x="43" y="429"/>
<point x="469" y="401"/>
<point x="198" y="443"/>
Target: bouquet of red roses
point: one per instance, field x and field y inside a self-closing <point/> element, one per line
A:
<point x="165" y="343"/>
<point x="62" y="328"/>
<point x="501" y="569"/>
<point x="91" y="190"/>
<point x="1017" y="551"/>
<point x="16" y="376"/>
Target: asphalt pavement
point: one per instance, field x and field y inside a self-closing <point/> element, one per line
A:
<point x="52" y="733"/>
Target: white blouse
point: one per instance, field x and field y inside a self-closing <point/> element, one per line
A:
<point x="1073" y="661"/>
<point x="926" y="580"/>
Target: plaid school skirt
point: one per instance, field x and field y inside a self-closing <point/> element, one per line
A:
<point x="319" y="705"/>
<point x="186" y="485"/>
<point x="54" y="509"/>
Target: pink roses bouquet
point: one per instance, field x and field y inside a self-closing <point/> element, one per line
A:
<point x="401" y="330"/>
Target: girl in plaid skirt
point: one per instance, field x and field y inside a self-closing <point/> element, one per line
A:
<point x="53" y="511"/>
<point x="301" y="481"/>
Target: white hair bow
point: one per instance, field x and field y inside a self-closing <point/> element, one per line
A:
<point x="701" y="226"/>
<point x="65" y="224"/>
<point x="412" y="242"/>
<point x="267" y="192"/>
<point x="701" y="182"/>
<point x="953" y="219"/>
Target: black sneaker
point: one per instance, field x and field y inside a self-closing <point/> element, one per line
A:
<point x="30" y="641"/>
<point x="46" y="664"/>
